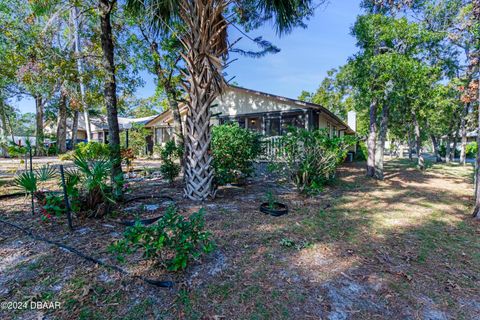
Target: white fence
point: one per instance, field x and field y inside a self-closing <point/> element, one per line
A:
<point x="272" y="149"/>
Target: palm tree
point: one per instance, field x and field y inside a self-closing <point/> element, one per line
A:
<point x="205" y="41"/>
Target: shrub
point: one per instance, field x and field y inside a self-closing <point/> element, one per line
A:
<point x="312" y="157"/>
<point x="93" y="176"/>
<point x="471" y="150"/>
<point x="16" y="151"/>
<point x="362" y="152"/>
<point x="174" y="239"/>
<point x="234" y="149"/>
<point x="92" y="150"/>
<point x="136" y="138"/>
<point x="168" y="154"/>
<point x="128" y="156"/>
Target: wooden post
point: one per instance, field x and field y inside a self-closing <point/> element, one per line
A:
<point x="65" y="195"/>
<point x="31" y="171"/>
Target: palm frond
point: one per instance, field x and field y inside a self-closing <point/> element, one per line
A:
<point x="46" y="173"/>
<point x="27" y="181"/>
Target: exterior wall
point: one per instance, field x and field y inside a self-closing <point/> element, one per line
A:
<point x="81" y="134"/>
<point x="234" y="102"/>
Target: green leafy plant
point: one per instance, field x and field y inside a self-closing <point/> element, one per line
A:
<point x="27" y="181"/>
<point x="168" y="154"/>
<point x="234" y="149"/>
<point x="16" y="151"/>
<point x="53" y="205"/>
<point x="312" y="157"/>
<point x="471" y="150"/>
<point x="94" y="175"/>
<point x="287" y="242"/>
<point x="92" y="150"/>
<point x="46" y="173"/>
<point x="271" y="199"/>
<point x="174" y="239"/>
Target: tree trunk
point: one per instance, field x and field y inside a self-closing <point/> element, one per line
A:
<point x="455" y="140"/>
<point x="410" y="146"/>
<point x="436" y="151"/>
<point x="110" y="92"/>
<point x="463" y="132"/>
<point x="476" y="63"/>
<point x="448" y="149"/>
<point x="205" y="42"/>
<point x="3" y="129"/>
<point x="380" y="144"/>
<point x="39" y="135"/>
<point x="372" y="137"/>
<point x="74" y="128"/>
<point x="170" y="92"/>
<point x="177" y="120"/>
<point x="476" y="210"/>
<point x="62" y="124"/>
<point x="78" y="53"/>
<point x="418" y="143"/>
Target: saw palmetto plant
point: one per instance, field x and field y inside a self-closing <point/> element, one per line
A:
<point x="206" y="45"/>
<point x="27" y="181"/>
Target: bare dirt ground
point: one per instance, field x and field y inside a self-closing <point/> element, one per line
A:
<point x="403" y="248"/>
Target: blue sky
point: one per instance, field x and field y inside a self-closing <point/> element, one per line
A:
<point x="305" y="57"/>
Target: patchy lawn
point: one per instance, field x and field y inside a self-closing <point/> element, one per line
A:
<point x="403" y="248"/>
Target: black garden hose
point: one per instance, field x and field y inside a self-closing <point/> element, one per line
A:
<point x="11" y="195"/>
<point x="158" y="283"/>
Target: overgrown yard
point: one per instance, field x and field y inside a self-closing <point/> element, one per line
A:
<point x="404" y="248"/>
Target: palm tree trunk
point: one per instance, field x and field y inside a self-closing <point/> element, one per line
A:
<point x="205" y="41"/>
<point x="372" y="137"/>
<point x="110" y="92"/>
<point x="39" y="135"/>
<point x="62" y="123"/>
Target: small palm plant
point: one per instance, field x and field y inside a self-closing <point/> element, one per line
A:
<point x="94" y="176"/>
<point x="27" y="181"/>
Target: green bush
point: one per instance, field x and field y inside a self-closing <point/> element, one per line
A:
<point x="471" y="150"/>
<point x="16" y="151"/>
<point x="312" y="157"/>
<point x="362" y="152"/>
<point x="92" y="150"/>
<point x="174" y="239"/>
<point x="443" y="151"/>
<point x="168" y="154"/>
<point x="234" y="149"/>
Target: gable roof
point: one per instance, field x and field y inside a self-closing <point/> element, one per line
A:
<point x="299" y="103"/>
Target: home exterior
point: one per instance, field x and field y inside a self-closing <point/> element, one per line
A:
<point x="265" y="113"/>
<point x="98" y="126"/>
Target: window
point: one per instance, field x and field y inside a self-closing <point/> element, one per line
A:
<point x="273" y="127"/>
<point x="254" y="124"/>
<point x="292" y="120"/>
<point x="163" y="135"/>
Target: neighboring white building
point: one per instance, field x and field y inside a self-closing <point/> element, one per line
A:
<point x="262" y="112"/>
<point x="99" y="127"/>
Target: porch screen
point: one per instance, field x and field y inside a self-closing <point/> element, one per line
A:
<point x="297" y="120"/>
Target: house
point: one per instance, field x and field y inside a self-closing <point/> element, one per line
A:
<point x="265" y="113"/>
<point x="98" y="126"/>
